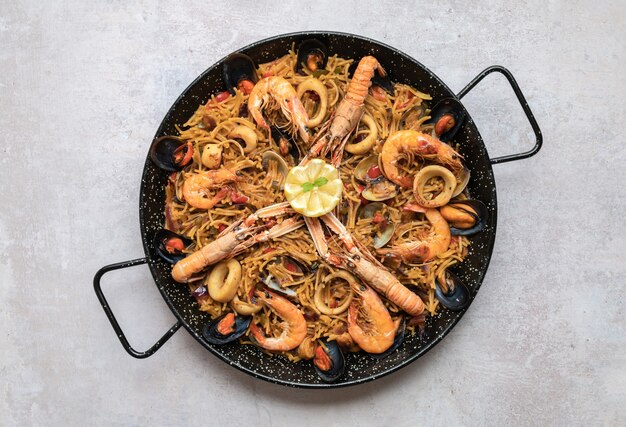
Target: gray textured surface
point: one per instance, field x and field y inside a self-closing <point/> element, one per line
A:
<point x="82" y="89"/>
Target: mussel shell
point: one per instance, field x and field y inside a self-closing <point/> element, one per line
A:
<point x="162" y="152"/>
<point x="159" y="240"/>
<point x="311" y="46"/>
<point x="213" y="336"/>
<point x="301" y="268"/>
<point x="338" y="362"/>
<point x="447" y="106"/>
<point x="397" y="341"/>
<point x="456" y="299"/>
<point x="273" y="284"/>
<point x="294" y="149"/>
<point x="481" y="217"/>
<point x="238" y="67"/>
<point x="377" y="80"/>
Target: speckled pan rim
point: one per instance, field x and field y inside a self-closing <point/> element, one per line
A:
<point x="457" y="316"/>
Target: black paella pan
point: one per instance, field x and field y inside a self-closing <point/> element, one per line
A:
<point x="360" y="366"/>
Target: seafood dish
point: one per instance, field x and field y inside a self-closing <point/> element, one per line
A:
<point x="314" y="207"/>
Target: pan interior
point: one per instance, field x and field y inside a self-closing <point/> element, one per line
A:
<point x="360" y="366"/>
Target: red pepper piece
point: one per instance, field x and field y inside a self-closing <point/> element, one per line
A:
<point x="238" y="198"/>
<point x="222" y="96"/>
<point x="378" y="218"/>
<point x="290" y="266"/>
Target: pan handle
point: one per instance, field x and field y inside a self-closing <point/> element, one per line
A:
<point x="109" y="313"/>
<point x="520" y="97"/>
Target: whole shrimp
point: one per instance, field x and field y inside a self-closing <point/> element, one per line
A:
<point x="281" y="92"/>
<point x="411" y="142"/>
<point x="240" y="236"/>
<point x="293" y="326"/>
<point x="424" y="250"/>
<point x="335" y="132"/>
<point x="361" y="262"/>
<point x="196" y="186"/>
<point x="369" y="322"/>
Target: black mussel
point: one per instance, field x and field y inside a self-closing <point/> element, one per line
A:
<point x="239" y="71"/>
<point x="397" y="341"/>
<point x="170" y="246"/>
<point x="383" y="81"/>
<point x="312" y="54"/>
<point x="226" y="328"/>
<point x="447" y="117"/>
<point x="419" y="322"/>
<point x="329" y="362"/>
<point x="287" y="146"/>
<point x="293" y="265"/>
<point x="171" y="153"/>
<point x="466" y="217"/>
<point x="377" y="80"/>
<point x="290" y="264"/>
<point x="453" y="294"/>
<point x="271" y="282"/>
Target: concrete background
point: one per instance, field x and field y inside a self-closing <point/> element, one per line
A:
<point x="82" y="90"/>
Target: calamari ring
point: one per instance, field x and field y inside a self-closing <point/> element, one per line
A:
<point x="367" y="144"/>
<point x="223" y="287"/>
<point x="314" y="85"/>
<point x="319" y="302"/>
<point x="422" y="178"/>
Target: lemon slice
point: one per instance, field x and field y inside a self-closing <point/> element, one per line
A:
<point x="313" y="189"/>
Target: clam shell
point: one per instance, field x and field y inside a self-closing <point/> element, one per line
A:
<point x="462" y="182"/>
<point x="360" y="170"/>
<point x="282" y="166"/>
<point x="380" y="190"/>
